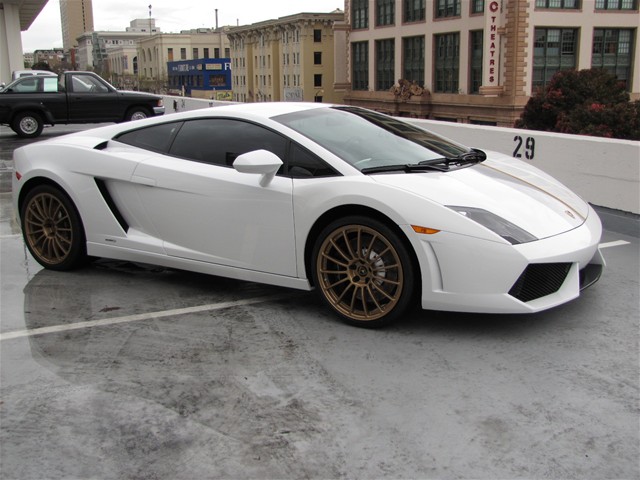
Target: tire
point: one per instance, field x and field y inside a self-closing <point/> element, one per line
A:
<point x="363" y="271"/>
<point x="137" y="113"/>
<point x="52" y="229"/>
<point x="27" y="124"/>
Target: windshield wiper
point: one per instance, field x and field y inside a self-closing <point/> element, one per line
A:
<point x="414" y="167"/>
<point x="471" y="157"/>
<point x="443" y="164"/>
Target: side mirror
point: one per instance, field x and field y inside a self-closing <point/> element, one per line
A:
<point x="262" y="162"/>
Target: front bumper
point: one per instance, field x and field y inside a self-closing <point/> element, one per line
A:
<point x="158" y="111"/>
<point x="467" y="274"/>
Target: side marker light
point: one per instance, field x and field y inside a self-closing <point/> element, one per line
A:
<point x="424" y="230"/>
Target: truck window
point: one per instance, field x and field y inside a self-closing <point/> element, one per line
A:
<point x="50" y="84"/>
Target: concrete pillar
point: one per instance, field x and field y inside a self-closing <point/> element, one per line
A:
<point x="11" y="57"/>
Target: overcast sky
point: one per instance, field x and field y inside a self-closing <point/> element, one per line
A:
<point x="170" y="15"/>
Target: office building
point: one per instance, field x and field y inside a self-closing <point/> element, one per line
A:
<point x="76" y="18"/>
<point x="479" y="61"/>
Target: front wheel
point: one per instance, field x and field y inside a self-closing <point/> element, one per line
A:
<point x="27" y="124"/>
<point x="363" y="271"/>
<point x="137" y="113"/>
<point x="52" y="229"/>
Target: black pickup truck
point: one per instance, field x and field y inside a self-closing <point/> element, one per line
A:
<point x="30" y="103"/>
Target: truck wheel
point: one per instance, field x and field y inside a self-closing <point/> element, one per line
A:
<point x="137" y="113"/>
<point x="27" y="124"/>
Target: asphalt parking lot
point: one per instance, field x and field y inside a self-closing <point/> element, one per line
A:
<point x="124" y="370"/>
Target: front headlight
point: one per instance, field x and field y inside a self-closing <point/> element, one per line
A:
<point x="507" y="230"/>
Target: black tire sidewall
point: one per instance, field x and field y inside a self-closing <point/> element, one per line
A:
<point x="78" y="256"/>
<point x="408" y="268"/>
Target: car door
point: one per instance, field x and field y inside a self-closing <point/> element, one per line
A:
<point x="91" y="100"/>
<point x="205" y="210"/>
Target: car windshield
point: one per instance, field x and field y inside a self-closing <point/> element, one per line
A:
<point x="368" y="140"/>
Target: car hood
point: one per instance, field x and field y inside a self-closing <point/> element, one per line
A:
<point x="507" y="187"/>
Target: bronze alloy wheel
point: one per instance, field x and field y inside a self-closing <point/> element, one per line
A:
<point x="52" y="229"/>
<point x="360" y="273"/>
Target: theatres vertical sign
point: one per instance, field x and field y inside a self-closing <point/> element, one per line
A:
<point x="491" y="51"/>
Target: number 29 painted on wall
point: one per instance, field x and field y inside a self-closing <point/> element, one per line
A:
<point x="528" y="145"/>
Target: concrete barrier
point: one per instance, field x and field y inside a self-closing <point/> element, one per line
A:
<point x="605" y="172"/>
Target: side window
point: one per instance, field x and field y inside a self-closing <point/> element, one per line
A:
<point x="219" y="141"/>
<point x="87" y="84"/>
<point x="304" y="164"/>
<point x="157" y="138"/>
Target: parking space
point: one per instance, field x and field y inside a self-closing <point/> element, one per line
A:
<point x="124" y="370"/>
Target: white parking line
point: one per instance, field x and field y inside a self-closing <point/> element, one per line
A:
<point x="617" y="243"/>
<point x="135" y="318"/>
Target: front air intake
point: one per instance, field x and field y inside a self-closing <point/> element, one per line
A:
<point x="539" y="280"/>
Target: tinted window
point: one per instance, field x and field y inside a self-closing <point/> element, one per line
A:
<point x="303" y="163"/>
<point x="27" y="85"/>
<point x="157" y="138"/>
<point x="220" y="141"/>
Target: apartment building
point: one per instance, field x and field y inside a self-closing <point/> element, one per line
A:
<point x="291" y="58"/>
<point x="479" y="61"/>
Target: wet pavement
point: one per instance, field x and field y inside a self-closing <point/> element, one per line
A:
<point x="123" y="370"/>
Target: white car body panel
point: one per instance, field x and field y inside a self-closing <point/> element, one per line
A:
<point x="218" y="220"/>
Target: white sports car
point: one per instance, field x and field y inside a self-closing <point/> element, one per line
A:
<point x="369" y="210"/>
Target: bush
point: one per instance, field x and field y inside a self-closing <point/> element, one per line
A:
<point x="585" y="102"/>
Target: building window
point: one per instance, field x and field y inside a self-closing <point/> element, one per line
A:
<point x="317" y="58"/>
<point x="447" y="63"/>
<point x="447" y="8"/>
<point x="360" y="14"/>
<point x="413" y="60"/>
<point x="612" y="51"/>
<point x="206" y="52"/>
<point x="554" y="50"/>
<point x="170" y="54"/>
<point x="413" y="10"/>
<point x="317" y="80"/>
<point x="195" y="53"/>
<point x="475" y="68"/>
<point x="360" y="73"/>
<point x="616" y="4"/>
<point x="227" y="52"/>
<point x="567" y="4"/>
<point x="216" y="53"/>
<point x="385" y="55"/>
<point x="317" y="36"/>
<point x="183" y="54"/>
<point x="477" y="6"/>
<point x="385" y="12"/>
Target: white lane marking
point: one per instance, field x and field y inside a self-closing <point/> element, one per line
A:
<point x="15" y="235"/>
<point x="617" y="243"/>
<point x="135" y="318"/>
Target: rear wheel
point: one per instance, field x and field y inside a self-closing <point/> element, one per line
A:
<point x="363" y="271"/>
<point x="27" y="124"/>
<point x="52" y="229"/>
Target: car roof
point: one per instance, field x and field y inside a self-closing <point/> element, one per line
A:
<point x="262" y="109"/>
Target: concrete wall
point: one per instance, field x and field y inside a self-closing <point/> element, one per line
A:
<point x="603" y="171"/>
